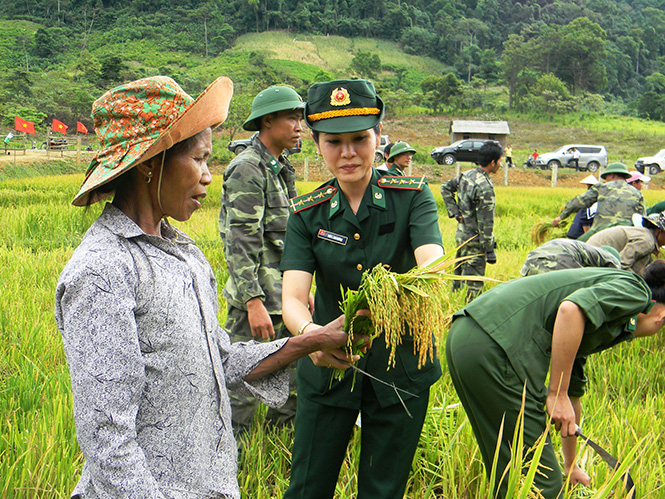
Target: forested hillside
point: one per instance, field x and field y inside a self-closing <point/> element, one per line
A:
<point x="557" y="56"/>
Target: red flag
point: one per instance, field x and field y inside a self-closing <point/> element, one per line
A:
<point x="59" y="126"/>
<point x="24" y="126"/>
<point x="80" y="127"/>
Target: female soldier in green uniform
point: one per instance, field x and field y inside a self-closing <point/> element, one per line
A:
<point x="350" y="224"/>
<point x="550" y="323"/>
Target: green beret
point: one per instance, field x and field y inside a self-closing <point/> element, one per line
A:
<point x="342" y="106"/>
<point x="272" y="100"/>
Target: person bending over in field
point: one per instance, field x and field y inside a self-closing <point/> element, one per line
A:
<point x="137" y="309"/>
<point x="560" y="254"/>
<point x="513" y="335"/>
<point x="617" y="201"/>
<point x="637" y="246"/>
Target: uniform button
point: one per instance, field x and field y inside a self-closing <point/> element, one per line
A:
<point x="359" y="266"/>
<point x="356" y="236"/>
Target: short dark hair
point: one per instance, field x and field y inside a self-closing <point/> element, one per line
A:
<point x="490" y="151"/>
<point x="377" y="129"/>
<point x="654" y="275"/>
<point x="386" y="150"/>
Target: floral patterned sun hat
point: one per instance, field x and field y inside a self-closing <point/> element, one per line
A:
<point x="136" y="121"/>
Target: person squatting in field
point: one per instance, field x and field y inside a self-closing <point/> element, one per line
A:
<point x="137" y="309"/>
<point x="353" y="222"/>
<point x="512" y="336"/>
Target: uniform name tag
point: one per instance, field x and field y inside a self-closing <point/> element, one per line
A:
<point x="332" y="237"/>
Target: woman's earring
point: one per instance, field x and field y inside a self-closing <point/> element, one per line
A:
<point x="148" y="177"/>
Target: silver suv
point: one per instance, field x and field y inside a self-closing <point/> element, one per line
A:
<point x="592" y="157"/>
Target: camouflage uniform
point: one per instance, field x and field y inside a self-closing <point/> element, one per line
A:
<point x="474" y="210"/>
<point x="559" y="254"/>
<point x="636" y="245"/>
<point x="252" y="225"/>
<point x="617" y="202"/>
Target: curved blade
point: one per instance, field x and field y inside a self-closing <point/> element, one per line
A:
<point x="612" y="462"/>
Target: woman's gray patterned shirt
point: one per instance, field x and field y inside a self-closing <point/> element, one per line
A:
<point x="149" y="365"/>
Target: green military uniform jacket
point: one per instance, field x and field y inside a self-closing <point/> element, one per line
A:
<point x="326" y="239"/>
<point x="617" y="202"/>
<point x="475" y="204"/>
<point x="560" y="254"/>
<point x="519" y="315"/>
<point x="252" y="225"/>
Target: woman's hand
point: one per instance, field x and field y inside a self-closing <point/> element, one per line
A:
<point x="576" y="475"/>
<point x="562" y="414"/>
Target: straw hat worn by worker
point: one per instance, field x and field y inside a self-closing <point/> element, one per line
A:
<point x="358" y="219"/>
<point x="137" y="308"/>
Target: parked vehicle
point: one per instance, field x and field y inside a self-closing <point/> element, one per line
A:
<point x="55" y="144"/>
<point x="650" y="165"/>
<point x="591" y="159"/>
<point x="462" y="150"/>
<point x="384" y="140"/>
<point x="239" y="145"/>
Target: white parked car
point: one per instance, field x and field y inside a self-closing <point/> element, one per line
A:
<point x="652" y="164"/>
<point x="591" y="157"/>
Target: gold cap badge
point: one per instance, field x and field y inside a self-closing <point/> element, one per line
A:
<point x="340" y="97"/>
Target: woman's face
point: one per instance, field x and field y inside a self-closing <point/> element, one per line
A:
<point x="349" y="156"/>
<point x="186" y="177"/>
<point x="650" y="323"/>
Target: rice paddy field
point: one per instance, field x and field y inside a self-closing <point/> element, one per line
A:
<point x="39" y="456"/>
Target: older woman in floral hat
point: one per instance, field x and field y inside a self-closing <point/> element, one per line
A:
<point x="137" y="309"/>
<point x="355" y="221"/>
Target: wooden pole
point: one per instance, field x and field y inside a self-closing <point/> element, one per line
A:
<point x="48" y="142"/>
<point x="505" y="173"/>
<point x="306" y="172"/>
<point x="78" y="149"/>
<point x="457" y="169"/>
<point x="555" y="174"/>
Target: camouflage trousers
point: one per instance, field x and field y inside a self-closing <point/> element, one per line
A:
<point x="243" y="406"/>
<point x="473" y="266"/>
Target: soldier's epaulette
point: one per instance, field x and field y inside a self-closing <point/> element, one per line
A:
<point x="412" y="183"/>
<point x="310" y="199"/>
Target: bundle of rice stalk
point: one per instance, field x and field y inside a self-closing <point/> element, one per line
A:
<point x="416" y="301"/>
<point x="541" y="230"/>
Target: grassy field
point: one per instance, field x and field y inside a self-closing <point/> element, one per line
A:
<point x="39" y="456"/>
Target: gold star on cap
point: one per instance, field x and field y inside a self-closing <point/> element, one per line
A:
<point x="340" y="97"/>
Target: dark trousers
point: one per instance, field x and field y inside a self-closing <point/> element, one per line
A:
<point x="389" y="438"/>
<point x="472" y="266"/>
<point x="489" y="389"/>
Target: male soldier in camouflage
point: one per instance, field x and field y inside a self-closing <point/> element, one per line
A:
<point x="474" y="212"/>
<point x="560" y="254"/>
<point x="252" y="223"/>
<point x="617" y="201"/>
<point x="399" y="158"/>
